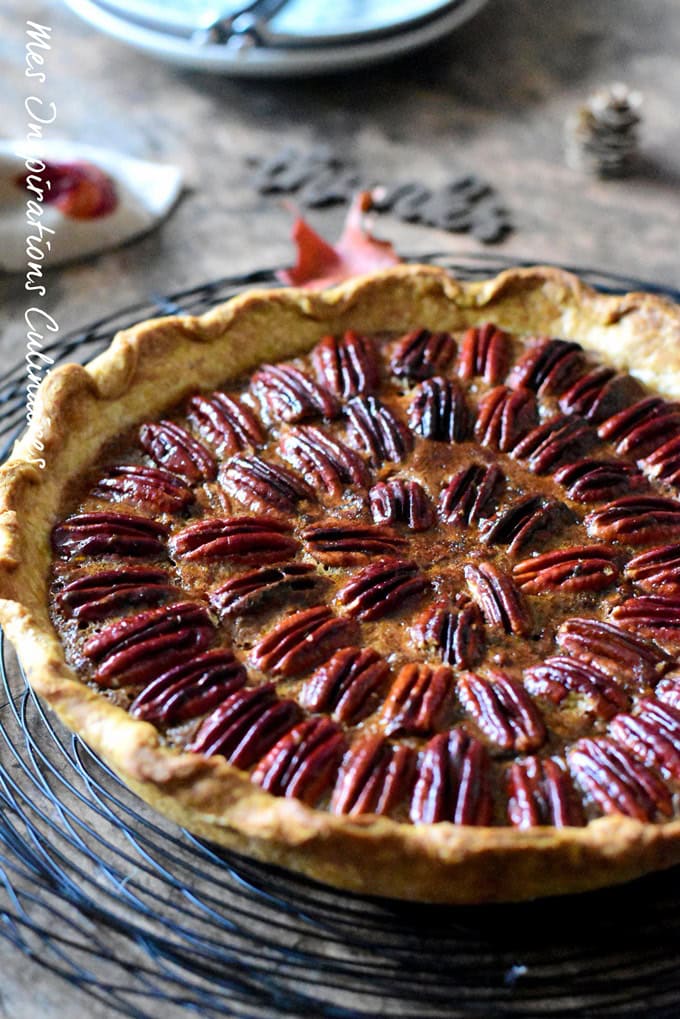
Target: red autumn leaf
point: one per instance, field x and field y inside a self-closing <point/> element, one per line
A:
<point x="320" y="264"/>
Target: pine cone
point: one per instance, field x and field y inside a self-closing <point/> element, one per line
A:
<point x="602" y="136"/>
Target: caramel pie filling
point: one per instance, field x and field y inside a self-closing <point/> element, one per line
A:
<point x="431" y="576"/>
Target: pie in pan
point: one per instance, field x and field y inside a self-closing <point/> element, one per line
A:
<point x="380" y="584"/>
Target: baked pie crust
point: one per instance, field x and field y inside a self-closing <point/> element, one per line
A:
<point x="155" y="365"/>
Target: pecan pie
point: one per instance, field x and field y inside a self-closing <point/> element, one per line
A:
<point x="381" y="584"/>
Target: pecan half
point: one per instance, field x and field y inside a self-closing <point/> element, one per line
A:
<point x="245" y="539"/>
<point x="504" y="416"/>
<point x="549" y="444"/>
<point x="191" y="689"/>
<point x="618" y="426"/>
<point x="245" y="592"/>
<point x="541" y="792"/>
<point x="290" y="394"/>
<point x="418" y="700"/>
<point x="559" y="676"/>
<point x="304" y="762"/>
<point x="498" y="597"/>
<point x="502" y="710"/>
<point x="322" y="460"/>
<point x="381" y="588"/>
<point x="343" y="543"/>
<point x="138" y="648"/>
<point x="259" y="485"/>
<point x="169" y="445"/>
<point x="302" y="641"/>
<point x="454" y="631"/>
<point x="439" y="412"/>
<point x="664" y="462"/>
<point x="668" y="691"/>
<point x="652" y="735"/>
<point x="636" y="520"/>
<point x="657" y="570"/>
<point x="651" y="615"/>
<point x="227" y="424"/>
<point x="108" y="534"/>
<point x="245" y="726"/>
<point x="374" y="778"/>
<point x="149" y="486"/>
<point x="453" y="781"/>
<point x="599" y="394"/>
<point x="580" y="568"/>
<point x="470" y="494"/>
<point x="640" y="429"/>
<point x="653" y="434"/>
<point x="590" y="480"/>
<point x="375" y="430"/>
<point x="485" y="351"/>
<point x="612" y="649"/>
<point x="616" y="781"/>
<point x="94" y="596"/>
<point x="524" y="520"/>
<point x="549" y="366"/>
<point x="421" y="354"/>
<point x="347" y="365"/>
<point x="347" y="685"/>
<point x="401" y="502"/>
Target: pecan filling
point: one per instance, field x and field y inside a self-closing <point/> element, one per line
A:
<point x="430" y="576"/>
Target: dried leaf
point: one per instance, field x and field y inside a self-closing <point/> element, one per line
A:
<point x="320" y="264"/>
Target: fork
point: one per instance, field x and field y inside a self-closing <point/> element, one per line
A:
<point x="240" y="27"/>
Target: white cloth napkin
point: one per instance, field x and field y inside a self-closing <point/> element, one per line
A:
<point x="97" y="200"/>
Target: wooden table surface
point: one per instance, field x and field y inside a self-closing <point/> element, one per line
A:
<point x="491" y="99"/>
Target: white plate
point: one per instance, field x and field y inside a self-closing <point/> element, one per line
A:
<point x="262" y="61"/>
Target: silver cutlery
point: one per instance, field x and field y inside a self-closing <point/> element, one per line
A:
<point x="240" y="28"/>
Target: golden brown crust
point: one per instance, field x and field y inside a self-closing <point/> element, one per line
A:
<point x="149" y="368"/>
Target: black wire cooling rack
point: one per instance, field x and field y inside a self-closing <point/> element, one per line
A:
<point x="151" y="922"/>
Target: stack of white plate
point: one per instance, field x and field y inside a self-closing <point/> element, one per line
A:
<point x="276" y="37"/>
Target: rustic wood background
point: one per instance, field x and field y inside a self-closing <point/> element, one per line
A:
<point x="491" y="99"/>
